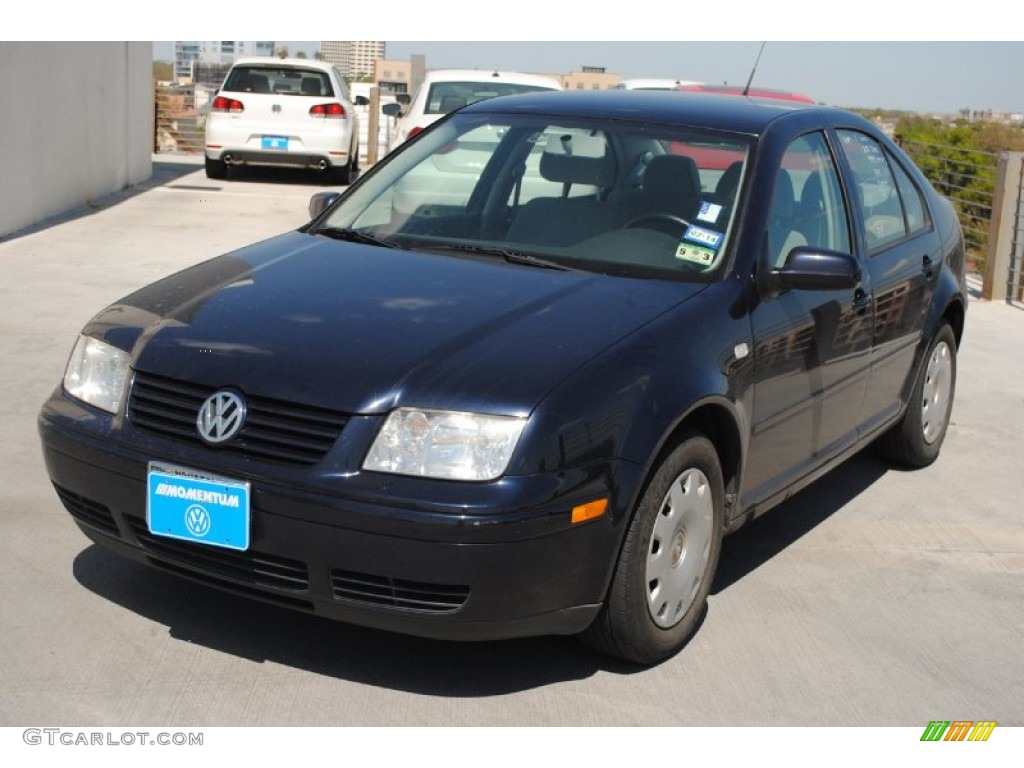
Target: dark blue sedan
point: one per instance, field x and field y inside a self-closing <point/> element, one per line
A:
<point x="523" y="376"/>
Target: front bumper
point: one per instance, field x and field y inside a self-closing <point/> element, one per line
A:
<point x="371" y="559"/>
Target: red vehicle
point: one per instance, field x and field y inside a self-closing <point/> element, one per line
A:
<point x="719" y="159"/>
<point x="735" y="90"/>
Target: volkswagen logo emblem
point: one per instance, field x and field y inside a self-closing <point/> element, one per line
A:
<point x="197" y="520"/>
<point x="220" y="417"/>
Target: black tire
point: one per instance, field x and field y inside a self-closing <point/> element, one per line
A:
<point x="915" y="441"/>
<point x="632" y="625"/>
<point x="216" y="169"/>
<point x="342" y="174"/>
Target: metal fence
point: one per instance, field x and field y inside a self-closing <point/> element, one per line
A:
<point x="1015" y="274"/>
<point x="967" y="177"/>
<point x="178" y="121"/>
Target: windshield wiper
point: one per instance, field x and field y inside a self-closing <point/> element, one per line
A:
<point x="513" y="257"/>
<point x="354" y="236"/>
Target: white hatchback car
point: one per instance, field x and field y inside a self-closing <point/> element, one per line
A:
<point x="445" y="90"/>
<point x="286" y="112"/>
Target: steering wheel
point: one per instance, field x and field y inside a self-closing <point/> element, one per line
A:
<point x="665" y="217"/>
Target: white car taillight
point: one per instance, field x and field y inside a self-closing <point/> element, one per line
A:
<point x="224" y="104"/>
<point x="327" y="110"/>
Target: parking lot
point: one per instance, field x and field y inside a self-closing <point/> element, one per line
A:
<point x="874" y="597"/>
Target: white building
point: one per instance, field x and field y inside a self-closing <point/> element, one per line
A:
<point x="353" y="57"/>
<point x="214" y="52"/>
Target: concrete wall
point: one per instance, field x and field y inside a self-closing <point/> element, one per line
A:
<point x="76" y="123"/>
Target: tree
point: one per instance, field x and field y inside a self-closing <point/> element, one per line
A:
<point x="959" y="159"/>
<point x="163" y="71"/>
<point x="281" y="51"/>
<point x="301" y="55"/>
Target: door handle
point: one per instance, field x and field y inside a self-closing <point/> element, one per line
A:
<point x="861" y="301"/>
<point x="926" y="265"/>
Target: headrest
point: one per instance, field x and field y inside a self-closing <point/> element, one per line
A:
<point x="671" y="175"/>
<point x="578" y="159"/>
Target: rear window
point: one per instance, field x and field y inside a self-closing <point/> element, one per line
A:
<point x="446" y="97"/>
<point x="285" y="81"/>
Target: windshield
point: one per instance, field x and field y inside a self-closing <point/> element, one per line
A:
<point x="613" y="197"/>
<point x="283" y="81"/>
<point x="447" y="96"/>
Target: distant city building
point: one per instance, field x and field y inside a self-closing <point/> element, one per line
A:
<point x="219" y="52"/>
<point x="393" y="75"/>
<point x="355" y="58"/>
<point x="589" y="79"/>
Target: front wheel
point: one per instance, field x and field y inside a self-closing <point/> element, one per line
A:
<point x="661" y="583"/>
<point x="916" y="440"/>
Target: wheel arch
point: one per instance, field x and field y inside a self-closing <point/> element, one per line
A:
<point x="715" y="419"/>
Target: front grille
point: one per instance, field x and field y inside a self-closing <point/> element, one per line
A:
<point x="89" y="512"/>
<point x="249" y="567"/>
<point x="295" y="434"/>
<point x="396" y="593"/>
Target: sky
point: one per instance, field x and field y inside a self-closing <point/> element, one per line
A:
<point x="919" y="76"/>
<point x="927" y="57"/>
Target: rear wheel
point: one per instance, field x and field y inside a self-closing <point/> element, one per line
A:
<point x="216" y="169"/>
<point x="343" y="173"/>
<point x="916" y="440"/>
<point x="661" y="583"/>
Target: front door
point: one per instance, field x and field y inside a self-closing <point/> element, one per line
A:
<point x="812" y="348"/>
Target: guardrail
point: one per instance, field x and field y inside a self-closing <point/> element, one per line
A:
<point x="967" y="177"/>
<point x="178" y="124"/>
<point x="1004" y="268"/>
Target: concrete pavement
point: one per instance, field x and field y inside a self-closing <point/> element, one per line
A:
<point x="874" y="597"/>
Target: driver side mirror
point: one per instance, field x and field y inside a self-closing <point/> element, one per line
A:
<point x="815" y="269"/>
<point x="320" y="202"/>
<point x="392" y="109"/>
<point x="362" y="101"/>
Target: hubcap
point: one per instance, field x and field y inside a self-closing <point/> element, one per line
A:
<point x="938" y="382"/>
<point x="680" y="547"/>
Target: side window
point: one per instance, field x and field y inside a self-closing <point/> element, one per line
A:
<point x="884" y="221"/>
<point x="807" y="205"/>
<point x="912" y="204"/>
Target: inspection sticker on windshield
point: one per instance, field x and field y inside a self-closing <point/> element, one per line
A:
<point x="703" y="236"/>
<point x="198" y="507"/>
<point x="709" y="212"/>
<point x="695" y="254"/>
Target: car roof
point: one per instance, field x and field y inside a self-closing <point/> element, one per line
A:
<point x="274" y="61"/>
<point x="742" y="114"/>
<point x="489" y="75"/>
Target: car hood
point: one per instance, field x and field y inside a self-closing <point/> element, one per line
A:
<point x="364" y="329"/>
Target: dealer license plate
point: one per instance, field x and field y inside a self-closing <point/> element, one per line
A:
<point x="196" y="506"/>
<point x="275" y="142"/>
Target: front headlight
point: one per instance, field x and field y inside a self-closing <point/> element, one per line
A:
<point x="445" y="444"/>
<point x="97" y="373"/>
